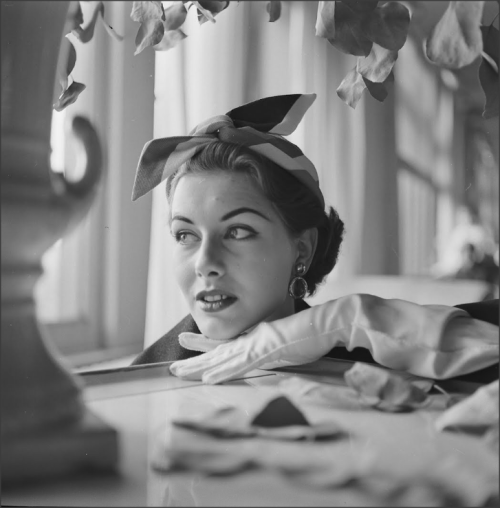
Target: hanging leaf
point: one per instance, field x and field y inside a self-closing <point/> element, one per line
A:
<point x="488" y="70"/>
<point x="65" y="67"/>
<point x="71" y="57"/>
<point x="274" y="9"/>
<point x="175" y="16"/>
<point x="373" y="73"/>
<point x="75" y="16"/>
<point x="214" y="6"/>
<point x="362" y="6"/>
<point x="109" y="28"/>
<point x="353" y="26"/>
<point x="352" y="87"/>
<point x="170" y="40"/>
<point x="378" y="64"/>
<point x="377" y="90"/>
<point x="384" y="389"/>
<point x="85" y="34"/>
<point x="348" y="33"/>
<point x="208" y="9"/>
<point x="456" y="40"/>
<point x="65" y="70"/>
<point x="150" y="33"/>
<point x="69" y="96"/>
<point x="387" y="25"/>
<point x="325" y="20"/>
<point x="203" y="14"/>
<point x="144" y="11"/>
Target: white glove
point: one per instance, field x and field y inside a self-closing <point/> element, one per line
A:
<point x="433" y="341"/>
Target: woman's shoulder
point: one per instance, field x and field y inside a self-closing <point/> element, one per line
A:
<point x="167" y="348"/>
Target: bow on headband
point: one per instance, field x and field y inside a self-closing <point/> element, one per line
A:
<point x="257" y="125"/>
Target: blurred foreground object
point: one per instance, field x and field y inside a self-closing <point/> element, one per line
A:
<point x="471" y="254"/>
<point x="45" y="429"/>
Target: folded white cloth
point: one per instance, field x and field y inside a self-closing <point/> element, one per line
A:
<point x="433" y="341"/>
<point x="479" y="410"/>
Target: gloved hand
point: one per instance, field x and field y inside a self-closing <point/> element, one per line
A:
<point x="433" y="341"/>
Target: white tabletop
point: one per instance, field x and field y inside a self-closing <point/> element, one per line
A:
<point x="141" y="402"/>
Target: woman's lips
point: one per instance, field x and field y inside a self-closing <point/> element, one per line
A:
<point x="216" y="305"/>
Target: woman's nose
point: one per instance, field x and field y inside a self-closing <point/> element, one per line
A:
<point x="209" y="260"/>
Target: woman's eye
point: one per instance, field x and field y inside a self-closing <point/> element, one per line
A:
<point x="185" y="237"/>
<point x="239" y="233"/>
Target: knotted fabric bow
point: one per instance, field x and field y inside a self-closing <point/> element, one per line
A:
<point x="257" y="125"/>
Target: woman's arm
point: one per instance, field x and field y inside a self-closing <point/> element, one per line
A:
<point x="433" y="341"/>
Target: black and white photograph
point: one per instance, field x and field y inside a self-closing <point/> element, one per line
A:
<point x="250" y="253"/>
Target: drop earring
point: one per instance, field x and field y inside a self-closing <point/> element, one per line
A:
<point x="298" y="285"/>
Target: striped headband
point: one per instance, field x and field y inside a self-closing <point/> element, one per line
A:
<point x="257" y="125"/>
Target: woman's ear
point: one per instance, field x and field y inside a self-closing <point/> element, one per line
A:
<point x="306" y="246"/>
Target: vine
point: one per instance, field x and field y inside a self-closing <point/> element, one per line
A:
<point x="370" y="30"/>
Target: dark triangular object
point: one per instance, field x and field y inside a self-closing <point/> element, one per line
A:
<point x="280" y="412"/>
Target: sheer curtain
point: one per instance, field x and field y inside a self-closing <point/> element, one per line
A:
<point x="240" y="58"/>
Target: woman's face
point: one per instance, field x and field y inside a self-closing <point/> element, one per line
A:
<point x="234" y="258"/>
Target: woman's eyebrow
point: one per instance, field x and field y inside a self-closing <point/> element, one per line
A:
<point x="182" y="218"/>
<point x="229" y="215"/>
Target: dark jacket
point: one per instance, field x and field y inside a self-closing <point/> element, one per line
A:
<point x="167" y="348"/>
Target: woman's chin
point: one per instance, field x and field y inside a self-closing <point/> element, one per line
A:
<point x="219" y="331"/>
<point x="219" y="335"/>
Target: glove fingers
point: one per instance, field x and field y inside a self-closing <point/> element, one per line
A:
<point x="198" y="342"/>
<point x="193" y="368"/>
<point x="190" y="367"/>
<point x="231" y="365"/>
<point x="241" y="364"/>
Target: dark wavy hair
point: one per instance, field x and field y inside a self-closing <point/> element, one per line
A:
<point x="297" y="206"/>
